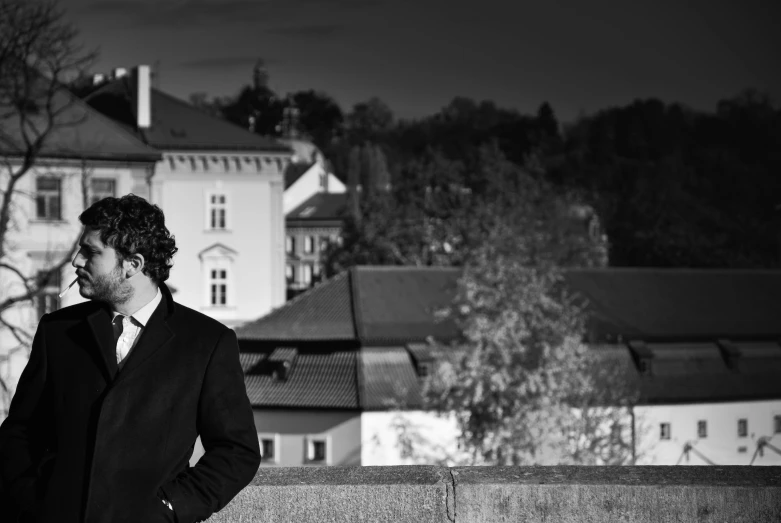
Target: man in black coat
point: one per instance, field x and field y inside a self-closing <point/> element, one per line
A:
<point x="106" y="413"/>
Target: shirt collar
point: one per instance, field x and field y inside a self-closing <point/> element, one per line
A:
<point x="143" y="314"/>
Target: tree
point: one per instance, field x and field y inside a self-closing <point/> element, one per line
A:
<point x="440" y="211"/>
<point x="320" y="117"/>
<point x="39" y="54"/>
<point x="520" y="379"/>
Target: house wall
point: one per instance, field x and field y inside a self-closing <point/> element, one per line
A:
<point x="297" y="258"/>
<point x="722" y="445"/>
<point x="252" y="243"/>
<point x="309" y="184"/>
<point x="408" y="438"/>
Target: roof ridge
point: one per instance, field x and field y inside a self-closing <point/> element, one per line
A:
<point x="393" y="268"/>
<point x="669" y="270"/>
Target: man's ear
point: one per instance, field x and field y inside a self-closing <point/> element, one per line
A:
<point x="134" y="264"/>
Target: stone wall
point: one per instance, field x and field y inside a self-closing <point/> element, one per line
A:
<point x="504" y="494"/>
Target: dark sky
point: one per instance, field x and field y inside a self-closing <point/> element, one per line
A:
<point x="418" y="54"/>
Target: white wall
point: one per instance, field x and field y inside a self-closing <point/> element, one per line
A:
<point x="408" y="438"/>
<point x="722" y="444"/>
<point x="308" y="185"/>
<point x="254" y="234"/>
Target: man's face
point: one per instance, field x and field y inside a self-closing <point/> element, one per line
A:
<point x="99" y="270"/>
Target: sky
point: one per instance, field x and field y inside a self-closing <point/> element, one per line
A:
<point x="417" y="55"/>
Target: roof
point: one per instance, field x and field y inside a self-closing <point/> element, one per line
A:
<point x="320" y="379"/>
<point x="696" y="372"/>
<point x="320" y="206"/>
<point x="373" y="305"/>
<point x="79" y="133"/>
<point x="176" y="125"/>
<point x="324" y="313"/>
<point x="296" y="170"/>
<point x="677" y="304"/>
<point x="383" y="314"/>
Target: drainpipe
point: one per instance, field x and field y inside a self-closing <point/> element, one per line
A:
<point x="634" y="452"/>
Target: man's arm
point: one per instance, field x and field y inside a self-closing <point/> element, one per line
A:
<point x="227" y="429"/>
<point x="23" y="433"/>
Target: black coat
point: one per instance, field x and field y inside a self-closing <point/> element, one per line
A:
<point x="85" y="443"/>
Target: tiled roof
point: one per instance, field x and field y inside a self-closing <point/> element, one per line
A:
<point x="176" y="125"/>
<point x="387" y="379"/>
<point x="317" y="379"/>
<point x="682" y="303"/>
<point x="322" y="313"/>
<point x="294" y="171"/>
<point x="80" y="133"/>
<point x="320" y="206"/>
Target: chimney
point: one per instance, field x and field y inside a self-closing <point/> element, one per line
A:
<point x="118" y="72"/>
<point x="143" y="97"/>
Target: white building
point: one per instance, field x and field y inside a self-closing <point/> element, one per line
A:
<point x="307" y="175"/>
<point x="221" y="188"/>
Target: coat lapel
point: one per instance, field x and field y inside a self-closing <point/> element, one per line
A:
<point x="153" y="337"/>
<point x="100" y="325"/>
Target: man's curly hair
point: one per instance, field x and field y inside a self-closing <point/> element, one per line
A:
<point x="132" y="225"/>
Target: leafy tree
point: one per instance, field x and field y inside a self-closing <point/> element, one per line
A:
<point x="320" y="117"/>
<point x="522" y="384"/>
<point x="39" y="55"/>
<point x="439" y="211"/>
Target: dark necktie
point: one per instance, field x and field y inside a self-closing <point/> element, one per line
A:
<point x="117" y="326"/>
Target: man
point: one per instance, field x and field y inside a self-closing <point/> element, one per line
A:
<point x="117" y="389"/>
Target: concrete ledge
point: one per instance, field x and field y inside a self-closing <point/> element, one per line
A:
<point x="504" y="494"/>
<point x="344" y="494"/>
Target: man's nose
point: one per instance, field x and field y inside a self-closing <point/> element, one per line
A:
<point x="77" y="261"/>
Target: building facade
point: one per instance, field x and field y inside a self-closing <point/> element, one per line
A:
<point x="311" y="229"/>
<point x="221" y="188"/>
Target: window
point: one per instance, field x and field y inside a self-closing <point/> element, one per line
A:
<point x="290" y="273"/>
<point x="267" y="449"/>
<point x="205" y="163"/>
<point x="290" y="244"/>
<point x="702" y="429"/>
<point x="318" y="450"/>
<point x="48" y="198"/>
<point x="48" y="301"/>
<point x="776" y="424"/>
<point x="217" y="211"/>
<point x="101" y="188"/>
<point x="324" y="243"/>
<point x="309" y="244"/>
<point x="742" y="427"/>
<point x="664" y="431"/>
<point x="306" y="274"/>
<point x="219" y="287"/>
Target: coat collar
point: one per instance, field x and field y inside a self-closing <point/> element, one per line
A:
<point x="155" y="335"/>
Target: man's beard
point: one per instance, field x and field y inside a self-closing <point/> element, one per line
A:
<point x="109" y="288"/>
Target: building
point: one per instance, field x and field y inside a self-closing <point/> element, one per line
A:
<point x="221" y="188"/>
<point x="329" y="373"/>
<point x="85" y="157"/>
<point x="308" y="174"/>
<point x="311" y="228"/>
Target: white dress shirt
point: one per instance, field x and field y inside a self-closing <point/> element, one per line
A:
<point x="132" y="326"/>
